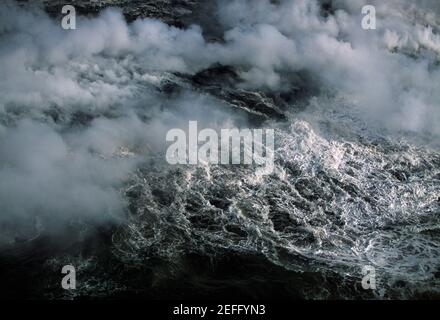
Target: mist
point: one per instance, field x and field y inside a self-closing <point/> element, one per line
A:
<point x="81" y="109"/>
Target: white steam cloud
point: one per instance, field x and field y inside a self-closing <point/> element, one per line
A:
<point x="51" y="166"/>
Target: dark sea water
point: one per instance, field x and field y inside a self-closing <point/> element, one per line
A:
<point x="85" y="180"/>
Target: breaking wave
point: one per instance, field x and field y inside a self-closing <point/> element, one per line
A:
<point x="356" y="182"/>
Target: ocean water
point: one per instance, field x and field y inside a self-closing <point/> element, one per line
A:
<point x="356" y="180"/>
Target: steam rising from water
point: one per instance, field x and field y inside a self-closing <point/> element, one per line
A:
<point x="83" y="118"/>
